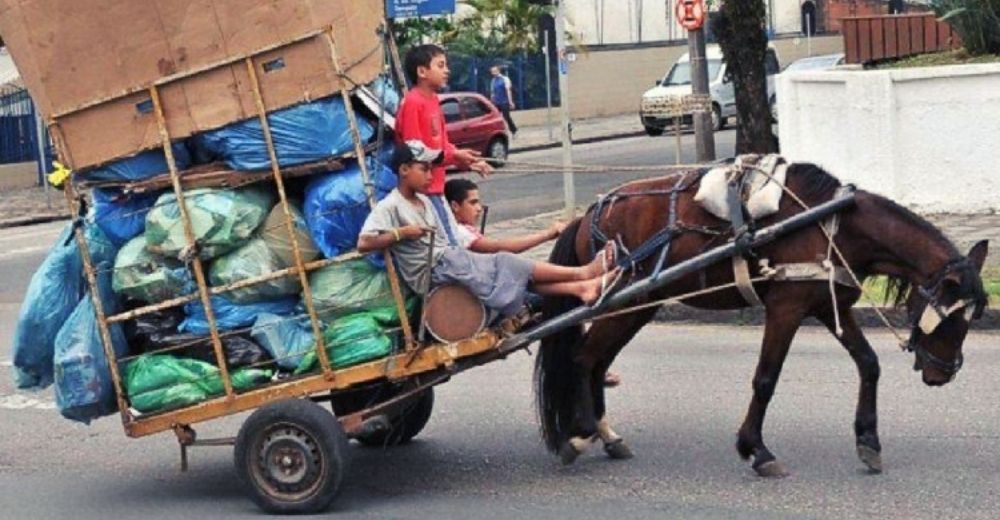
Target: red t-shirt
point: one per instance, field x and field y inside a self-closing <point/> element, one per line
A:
<point x="420" y="117"/>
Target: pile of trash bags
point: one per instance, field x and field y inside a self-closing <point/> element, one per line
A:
<point x="138" y="246"/>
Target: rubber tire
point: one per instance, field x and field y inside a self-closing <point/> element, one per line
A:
<point x="406" y="425"/>
<point x="490" y="152"/>
<point x="330" y="440"/>
<point x="653" y="131"/>
<point x="718" y="122"/>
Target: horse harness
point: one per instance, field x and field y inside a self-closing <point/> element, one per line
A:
<point x="741" y="226"/>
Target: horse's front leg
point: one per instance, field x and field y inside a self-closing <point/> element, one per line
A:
<point x="783" y="317"/>
<point x="866" y="415"/>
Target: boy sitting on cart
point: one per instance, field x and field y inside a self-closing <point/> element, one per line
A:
<point x="406" y="223"/>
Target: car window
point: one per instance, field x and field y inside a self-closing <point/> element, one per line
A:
<point x="680" y="73"/>
<point x="451" y="110"/>
<point x="771" y="63"/>
<point x="474" y="108"/>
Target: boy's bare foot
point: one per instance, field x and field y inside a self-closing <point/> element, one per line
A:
<point x="594" y="289"/>
<point x="602" y="262"/>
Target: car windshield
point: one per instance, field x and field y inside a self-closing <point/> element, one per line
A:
<point x="819" y="62"/>
<point x="680" y="73"/>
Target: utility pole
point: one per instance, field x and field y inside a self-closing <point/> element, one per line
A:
<point x="548" y="84"/>
<point x="703" y="131"/>
<point x="569" y="191"/>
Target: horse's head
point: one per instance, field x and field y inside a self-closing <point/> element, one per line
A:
<point x="940" y="312"/>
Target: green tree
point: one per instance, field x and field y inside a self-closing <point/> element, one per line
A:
<point x="740" y="30"/>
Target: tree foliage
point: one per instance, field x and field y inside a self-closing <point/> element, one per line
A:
<point x="976" y="21"/>
<point x="493" y="28"/>
<point x="740" y="30"/>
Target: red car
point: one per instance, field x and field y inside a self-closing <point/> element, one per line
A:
<point x="473" y="122"/>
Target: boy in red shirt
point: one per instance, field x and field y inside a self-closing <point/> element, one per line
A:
<point x="420" y="118"/>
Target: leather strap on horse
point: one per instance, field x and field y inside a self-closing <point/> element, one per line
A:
<point x="741" y="275"/>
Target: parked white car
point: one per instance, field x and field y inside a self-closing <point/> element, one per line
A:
<point x="677" y="83"/>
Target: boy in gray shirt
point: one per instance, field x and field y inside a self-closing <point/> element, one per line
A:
<point x="406" y="223"/>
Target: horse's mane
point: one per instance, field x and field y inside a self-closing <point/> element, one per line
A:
<point x="816" y="183"/>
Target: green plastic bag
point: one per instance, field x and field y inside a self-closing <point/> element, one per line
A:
<point x="221" y="219"/>
<point x="250" y="261"/>
<point x="146" y="276"/>
<point x="155" y="383"/>
<point x="351" y="287"/>
<point x="350" y="340"/>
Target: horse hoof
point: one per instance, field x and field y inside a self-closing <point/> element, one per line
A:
<point x="871" y="458"/>
<point x="568" y="454"/>
<point x="618" y="450"/>
<point x="772" y="469"/>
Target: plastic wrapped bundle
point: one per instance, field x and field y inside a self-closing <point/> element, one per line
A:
<point x="385" y="92"/>
<point x="275" y="234"/>
<point x="351" y="287"/>
<point x="336" y="206"/>
<point x="304" y="133"/>
<point x="222" y="220"/>
<point x="251" y="261"/>
<point x="138" y="167"/>
<point x="147" y="277"/>
<point x="158" y="331"/>
<point x="121" y="216"/>
<point x="350" y="340"/>
<point x="231" y="316"/>
<point x="83" y="386"/>
<point x="52" y="296"/>
<point x="156" y="383"/>
<point x="286" y="339"/>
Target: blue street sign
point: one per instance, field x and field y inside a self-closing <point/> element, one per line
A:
<point x="407" y="8"/>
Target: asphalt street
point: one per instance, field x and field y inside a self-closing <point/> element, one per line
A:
<point x="684" y="395"/>
<point x="516" y="195"/>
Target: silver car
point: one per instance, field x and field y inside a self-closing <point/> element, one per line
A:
<point x="677" y="84"/>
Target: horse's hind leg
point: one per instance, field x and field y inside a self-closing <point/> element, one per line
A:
<point x="784" y="315"/>
<point x="866" y="415"/>
<point x="601" y="344"/>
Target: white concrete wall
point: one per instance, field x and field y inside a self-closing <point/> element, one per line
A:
<point x="925" y="137"/>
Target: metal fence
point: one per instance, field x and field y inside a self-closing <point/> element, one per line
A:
<point x="526" y="73"/>
<point x="18" y="141"/>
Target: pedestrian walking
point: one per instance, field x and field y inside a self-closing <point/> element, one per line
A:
<point x="501" y="96"/>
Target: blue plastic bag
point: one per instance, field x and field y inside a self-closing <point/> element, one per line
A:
<point x="141" y="166"/>
<point x="336" y="207"/>
<point x="286" y="339"/>
<point x="121" y="216"/>
<point x="229" y="315"/>
<point x="53" y="294"/>
<point x="83" y="386"/>
<point x="303" y="133"/>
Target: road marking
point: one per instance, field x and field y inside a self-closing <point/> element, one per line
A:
<point x="23" y="251"/>
<point x="23" y="402"/>
<point x="6" y="363"/>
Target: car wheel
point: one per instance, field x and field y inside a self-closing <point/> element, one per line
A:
<point x="653" y="130"/>
<point x="497" y="152"/>
<point x="718" y="122"/>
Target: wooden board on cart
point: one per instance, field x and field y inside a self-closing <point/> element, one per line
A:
<point x="88" y="64"/>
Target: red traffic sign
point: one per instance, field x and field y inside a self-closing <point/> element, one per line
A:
<point x="690" y="14"/>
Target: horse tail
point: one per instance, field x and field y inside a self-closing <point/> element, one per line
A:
<point x="554" y="373"/>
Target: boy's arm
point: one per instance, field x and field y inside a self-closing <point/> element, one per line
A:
<point x="513" y="244"/>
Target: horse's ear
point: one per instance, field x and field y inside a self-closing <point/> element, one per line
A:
<point x="978" y="254"/>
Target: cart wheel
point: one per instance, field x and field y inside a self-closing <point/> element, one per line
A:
<point x="292" y="455"/>
<point x="405" y="426"/>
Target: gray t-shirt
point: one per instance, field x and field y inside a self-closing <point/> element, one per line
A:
<point x="393" y="212"/>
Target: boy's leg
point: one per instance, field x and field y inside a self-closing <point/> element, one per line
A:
<point x="544" y="272"/>
<point x="587" y="291"/>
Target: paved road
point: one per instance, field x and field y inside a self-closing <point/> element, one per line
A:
<point x="516" y="195"/>
<point x="480" y="456"/>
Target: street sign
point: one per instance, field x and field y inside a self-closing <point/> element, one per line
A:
<point x="690" y="14"/>
<point x="410" y="8"/>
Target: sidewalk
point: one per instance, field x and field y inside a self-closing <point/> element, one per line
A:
<point x="584" y="130"/>
<point x="24" y="206"/>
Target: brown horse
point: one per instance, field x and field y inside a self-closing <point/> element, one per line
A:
<point x="876" y="236"/>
